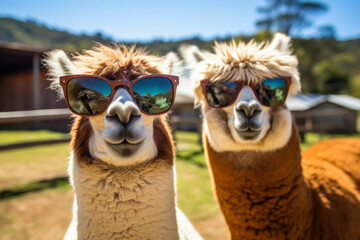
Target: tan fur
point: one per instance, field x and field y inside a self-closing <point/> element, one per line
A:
<point x="265" y="189"/>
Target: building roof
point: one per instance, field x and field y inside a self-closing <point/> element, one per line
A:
<point x="16" y="57"/>
<point x="21" y="48"/>
<point x="303" y="102"/>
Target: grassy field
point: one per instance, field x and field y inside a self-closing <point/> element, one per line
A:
<point x="9" y="137"/>
<point x="36" y="199"/>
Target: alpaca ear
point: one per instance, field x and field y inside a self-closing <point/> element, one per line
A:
<point x="192" y="57"/>
<point x="191" y="54"/>
<point x="58" y="64"/>
<point x="281" y="42"/>
<point x="171" y="64"/>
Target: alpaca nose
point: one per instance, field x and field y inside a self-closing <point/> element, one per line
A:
<point x="249" y="108"/>
<point x="123" y="107"/>
<point x="247" y="104"/>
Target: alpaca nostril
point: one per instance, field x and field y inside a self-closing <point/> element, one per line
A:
<point x="249" y="109"/>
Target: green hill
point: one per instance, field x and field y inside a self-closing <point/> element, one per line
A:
<point x="326" y="65"/>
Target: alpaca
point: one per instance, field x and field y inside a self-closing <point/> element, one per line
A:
<point x="122" y="191"/>
<point x="265" y="188"/>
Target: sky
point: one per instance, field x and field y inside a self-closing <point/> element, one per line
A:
<point x="146" y="20"/>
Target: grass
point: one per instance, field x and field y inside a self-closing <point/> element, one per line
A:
<point x="21" y="166"/>
<point x="60" y="182"/>
<point x="39" y="154"/>
<point x="195" y="196"/>
<point x="9" y="137"/>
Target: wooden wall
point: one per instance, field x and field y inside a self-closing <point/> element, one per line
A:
<point x="326" y="118"/>
<point x="16" y="92"/>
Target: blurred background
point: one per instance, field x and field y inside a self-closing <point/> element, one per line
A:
<point x="35" y="197"/>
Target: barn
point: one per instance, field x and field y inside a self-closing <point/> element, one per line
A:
<point x="325" y="113"/>
<point x="23" y="86"/>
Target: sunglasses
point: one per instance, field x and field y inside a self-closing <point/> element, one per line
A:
<point x="91" y="95"/>
<point x="271" y="92"/>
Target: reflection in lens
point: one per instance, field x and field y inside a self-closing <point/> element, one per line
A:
<point x="88" y="95"/>
<point x="153" y="94"/>
<point x="271" y="92"/>
<point x="221" y="94"/>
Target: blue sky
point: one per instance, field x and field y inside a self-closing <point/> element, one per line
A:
<point x="144" y="20"/>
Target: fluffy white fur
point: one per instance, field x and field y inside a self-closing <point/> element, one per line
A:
<point x="100" y="150"/>
<point x="58" y="64"/>
<point x="122" y="198"/>
<point x="250" y="62"/>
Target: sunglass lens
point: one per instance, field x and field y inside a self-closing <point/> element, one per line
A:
<point x="220" y="94"/>
<point x="154" y="95"/>
<point x="272" y="91"/>
<point x="88" y="95"/>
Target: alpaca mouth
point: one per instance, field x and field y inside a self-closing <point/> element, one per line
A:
<point x="249" y="134"/>
<point x="247" y="129"/>
<point x="125" y="148"/>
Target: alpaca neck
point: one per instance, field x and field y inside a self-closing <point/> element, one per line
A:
<point x="266" y="200"/>
<point x="124" y="203"/>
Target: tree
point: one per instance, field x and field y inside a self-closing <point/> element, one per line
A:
<point x="288" y="15"/>
<point x="330" y="78"/>
<point x="327" y="32"/>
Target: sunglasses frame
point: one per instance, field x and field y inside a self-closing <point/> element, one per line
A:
<point x="240" y="85"/>
<point x="64" y="80"/>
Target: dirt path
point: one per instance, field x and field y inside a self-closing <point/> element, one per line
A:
<point x="42" y="216"/>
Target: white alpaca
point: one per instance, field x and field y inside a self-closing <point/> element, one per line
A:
<point x="121" y="193"/>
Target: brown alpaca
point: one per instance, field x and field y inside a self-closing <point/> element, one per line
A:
<point x="265" y="189"/>
<point x="122" y="163"/>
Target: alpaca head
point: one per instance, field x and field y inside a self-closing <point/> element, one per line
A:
<point x="122" y="135"/>
<point x="246" y="124"/>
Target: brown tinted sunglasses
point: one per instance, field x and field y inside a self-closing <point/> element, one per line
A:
<point x="271" y="92"/>
<point x="91" y="95"/>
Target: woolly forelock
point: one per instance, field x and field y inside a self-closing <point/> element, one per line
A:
<point x="250" y="62"/>
<point x="118" y="62"/>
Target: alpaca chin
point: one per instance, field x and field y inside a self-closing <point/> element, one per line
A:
<point x="122" y="154"/>
<point x="223" y="136"/>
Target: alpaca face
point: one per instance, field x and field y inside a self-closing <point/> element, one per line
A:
<point x="122" y="135"/>
<point x="246" y="124"/>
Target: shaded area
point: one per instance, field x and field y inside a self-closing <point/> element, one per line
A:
<point x="190" y="156"/>
<point x="32" y="144"/>
<point x="33" y="187"/>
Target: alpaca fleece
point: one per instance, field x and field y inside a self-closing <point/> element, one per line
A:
<point x="284" y="199"/>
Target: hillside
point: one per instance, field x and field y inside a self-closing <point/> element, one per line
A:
<point x="326" y="65"/>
